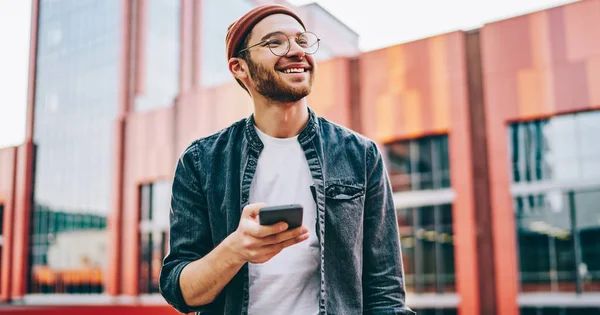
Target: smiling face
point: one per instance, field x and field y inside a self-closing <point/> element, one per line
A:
<point x="283" y="79"/>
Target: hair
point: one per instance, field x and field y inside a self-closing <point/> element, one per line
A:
<point x="245" y="55"/>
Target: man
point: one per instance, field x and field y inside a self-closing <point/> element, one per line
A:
<point x="345" y="259"/>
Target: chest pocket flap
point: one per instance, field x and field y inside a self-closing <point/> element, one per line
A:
<point x="343" y="190"/>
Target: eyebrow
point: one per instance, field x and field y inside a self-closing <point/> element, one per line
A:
<point x="273" y="33"/>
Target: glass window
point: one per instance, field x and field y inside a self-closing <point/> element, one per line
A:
<point x="428" y="248"/>
<point x="551" y="258"/>
<point x="547" y="259"/>
<point x="154" y="225"/>
<point x="433" y="311"/>
<point x="588" y="227"/>
<point x="76" y="102"/>
<point x="419" y="164"/>
<point x="560" y="148"/>
<point x="161" y="62"/>
<point x="216" y="17"/>
<point x="560" y="311"/>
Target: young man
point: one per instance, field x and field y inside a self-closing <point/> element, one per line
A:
<point x="345" y="259"/>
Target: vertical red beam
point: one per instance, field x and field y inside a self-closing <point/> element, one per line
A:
<point x="24" y="173"/>
<point x="139" y="14"/>
<point x="112" y="283"/>
<point x="196" y="44"/>
<point x="8" y="229"/>
<point x="463" y="209"/>
<point x="23" y="201"/>
<point x="186" y="41"/>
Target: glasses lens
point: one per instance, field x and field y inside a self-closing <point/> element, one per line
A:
<point x="309" y="42"/>
<point x="279" y="44"/>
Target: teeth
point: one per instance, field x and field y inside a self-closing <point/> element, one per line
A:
<point x="293" y="70"/>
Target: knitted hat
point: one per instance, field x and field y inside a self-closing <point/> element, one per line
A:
<point x="239" y="29"/>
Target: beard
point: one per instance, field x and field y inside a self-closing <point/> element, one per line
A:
<point x="269" y="85"/>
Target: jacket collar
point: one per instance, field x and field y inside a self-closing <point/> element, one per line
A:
<point x="307" y="134"/>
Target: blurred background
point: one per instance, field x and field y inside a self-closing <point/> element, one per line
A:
<point x="486" y="112"/>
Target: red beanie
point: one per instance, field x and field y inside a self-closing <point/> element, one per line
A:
<point x="239" y="29"/>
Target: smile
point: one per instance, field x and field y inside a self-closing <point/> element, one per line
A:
<point x="294" y="70"/>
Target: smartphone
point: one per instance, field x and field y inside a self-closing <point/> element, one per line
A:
<point x="290" y="214"/>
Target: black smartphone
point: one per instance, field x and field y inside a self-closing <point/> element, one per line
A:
<point x="290" y="214"/>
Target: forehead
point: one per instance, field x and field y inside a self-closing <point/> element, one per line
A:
<point x="276" y="23"/>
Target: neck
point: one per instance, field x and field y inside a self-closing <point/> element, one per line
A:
<point x="280" y="120"/>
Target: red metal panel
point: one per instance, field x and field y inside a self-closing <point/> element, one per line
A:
<point x="149" y="156"/>
<point x="35" y="7"/>
<point x="139" y="37"/>
<point x="8" y="168"/>
<point x="196" y="43"/>
<point x="186" y="45"/>
<point x="88" y="310"/>
<point x="23" y="186"/>
<point x="115" y="216"/>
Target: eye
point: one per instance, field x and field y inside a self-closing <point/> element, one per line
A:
<point x="275" y="42"/>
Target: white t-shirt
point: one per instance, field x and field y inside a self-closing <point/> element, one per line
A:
<point x="289" y="282"/>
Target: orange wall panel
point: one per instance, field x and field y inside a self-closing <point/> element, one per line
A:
<point x="330" y="95"/>
<point x="534" y="66"/>
<point x="406" y="90"/>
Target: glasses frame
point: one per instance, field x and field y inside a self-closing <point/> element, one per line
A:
<point x="318" y="42"/>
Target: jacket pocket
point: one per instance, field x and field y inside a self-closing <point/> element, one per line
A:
<point x="341" y="190"/>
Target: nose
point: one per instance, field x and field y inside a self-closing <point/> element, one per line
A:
<point x="295" y="50"/>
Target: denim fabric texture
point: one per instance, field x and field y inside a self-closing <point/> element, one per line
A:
<point x="361" y="266"/>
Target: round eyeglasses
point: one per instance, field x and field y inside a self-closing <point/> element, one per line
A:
<point x="279" y="43"/>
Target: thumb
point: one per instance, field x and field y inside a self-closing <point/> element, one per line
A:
<point x="251" y="210"/>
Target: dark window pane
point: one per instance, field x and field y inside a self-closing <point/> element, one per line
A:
<point x="428" y="248"/>
<point x="419" y="164"/>
<point x="398" y="156"/>
<point x="155" y="199"/>
<point x="588" y="227"/>
<point x="407" y="234"/>
<point x="561" y="148"/>
<point x="445" y="240"/>
<point x="546" y="252"/>
<point x="424" y="170"/>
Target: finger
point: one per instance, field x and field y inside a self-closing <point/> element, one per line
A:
<point x="251" y="210"/>
<point x="265" y="230"/>
<point x="284" y="236"/>
<point x="288" y="243"/>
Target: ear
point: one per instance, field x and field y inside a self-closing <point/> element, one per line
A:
<point x="238" y="68"/>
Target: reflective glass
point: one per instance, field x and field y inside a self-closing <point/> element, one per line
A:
<point x="154" y="226"/>
<point x="587" y="209"/>
<point x="419" y="164"/>
<point x="161" y="60"/>
<point x="76" y="102"/>
<point x="546" y="252"/>
<point x="428" y="248"/>
<point x="215" y="18"/>
<point x="561" y="148"/>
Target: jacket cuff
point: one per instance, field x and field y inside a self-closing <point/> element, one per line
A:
<point x="175" y="297"/>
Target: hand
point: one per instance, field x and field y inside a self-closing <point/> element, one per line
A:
<point x="257" y="243"/>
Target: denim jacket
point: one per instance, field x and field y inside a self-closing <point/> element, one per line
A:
<point x="361" y="266"/>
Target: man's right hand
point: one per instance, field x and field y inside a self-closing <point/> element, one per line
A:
<point x="257" y="243"/>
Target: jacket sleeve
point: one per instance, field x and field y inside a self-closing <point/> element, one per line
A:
<point x="383" y="274"/>
<point x="189" y="233"/>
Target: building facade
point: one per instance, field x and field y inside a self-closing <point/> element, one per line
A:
<point x="488" y="136"/>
